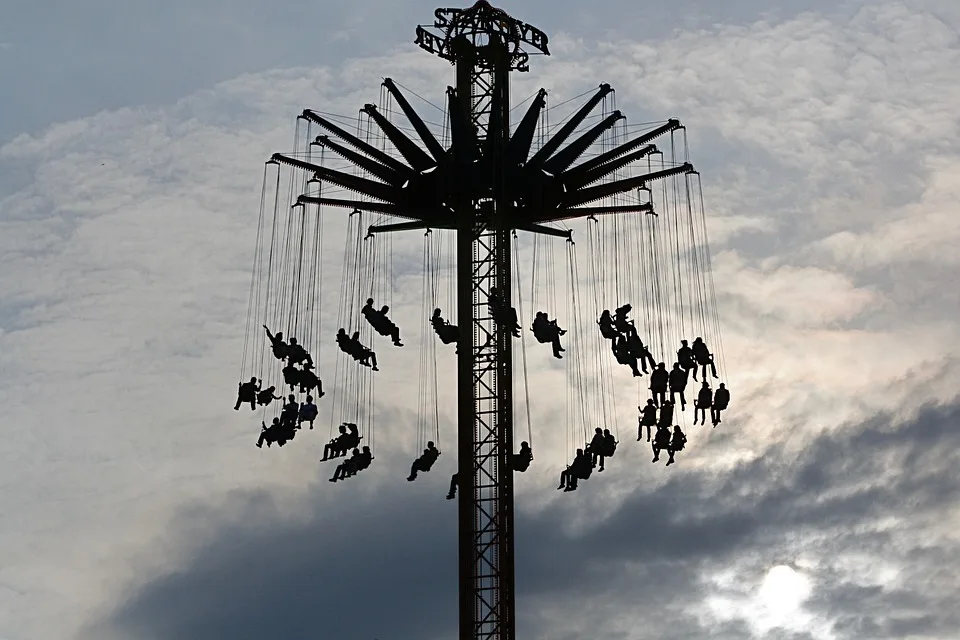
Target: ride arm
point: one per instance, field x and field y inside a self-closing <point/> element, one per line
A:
<point x="413" y="154"/>
<point x="356" y="142"/>
<point x="554" y="143"/>
<point x="426" y="135"/>
<point x="583" y="212"/>
<point x="519" y="146"/>
<point x="367" y="163"/>
<point x="583" y="178"/>
<point x="619" y="186"/>
<point x="564" y="158"/>
<point x="626" y="147"/>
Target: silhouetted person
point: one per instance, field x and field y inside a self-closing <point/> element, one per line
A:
<point x="291" y="376"/>
<point x="579" y="469"/>
<point x="348" y="466"/>
<point x="308" y="412"/>
<point x="502" y="313"/>
<point x="266" y="396"/>
<point x="677" y="443"/>
<point x="454" y="482"/>
<point x="607" y="329"/>
<point x="661" y="441"/>
<point x="595" y="446"/>
<point x="685" y="358"/>
<point x="607" y="448"/>
<point x="648" y="419"/>
<point x="703" y="357"/>
<point x="366" y="457"/>
<point x="704" y="402"/>
<point x="280" y="348"/>
<point x="666" y="414"/>
<point x="424" y="462"/>
<point x="659" y="380"/>
<point x="269" y="434"/>
<point x="721" y="398"/>
<point x="447" y="332"/>
<point x="678" y="383"/>
<point x="621" y="350"/>
<point x="290" y="411"/>
<point x="640" y="351"/>
<point x="546" y="330"/>
<point x="380" y="322"/>
<point x="621" y="323"/>
<point x="247" y="392"/>
<point x="296" y="354"/>
<point x="352" y="347"/>
<point x="521" y="460"/>
<point x="333" y="448"/>
<point x="309" y="381"/>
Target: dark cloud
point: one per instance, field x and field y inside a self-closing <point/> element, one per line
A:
<point x="383" y="564"/>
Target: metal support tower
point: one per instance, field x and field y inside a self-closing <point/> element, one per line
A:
<point x="485" y="186"/>
<point x="485" y="364"/>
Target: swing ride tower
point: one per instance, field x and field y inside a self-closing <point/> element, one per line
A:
<point x="485" y="186"/>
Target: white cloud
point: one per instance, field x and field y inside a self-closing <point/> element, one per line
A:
<point x="829" y="148"/>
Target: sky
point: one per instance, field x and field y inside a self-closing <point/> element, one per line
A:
<point x="131" y="147"/>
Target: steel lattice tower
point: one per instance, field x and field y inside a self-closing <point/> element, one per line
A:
<point x="485" y="186"/>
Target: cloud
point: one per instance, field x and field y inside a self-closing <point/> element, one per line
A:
<point x="249" y="568"/>
<point x="125" y="253"/>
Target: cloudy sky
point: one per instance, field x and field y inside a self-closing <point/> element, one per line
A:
<point x="135" y="505"/>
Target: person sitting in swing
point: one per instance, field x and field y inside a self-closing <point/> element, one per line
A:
<point x="362" y="354"/>
<point x="621" y="351"/>
<point x="280" y="348"/>
<point x="502" y="313"/>
<point x="609" y="446"/>
<point x="685" y="358"/>
<point x="661" y="442"/>
<point x="266" y="396"/>
<point x="521" y="460"/>
<point x="579" y="469"/>
<point x="659" y="381"/>
<point x="291" y="377"/>
<point x="289" y="413"/>
<point x="648" y="419"/>
<point x="678" y="384"/>
<point x="308" y="412"/>
<point x="380" y="322"/>
<point x="447" y="332"/>
<point x="247" y="392"/>
<point x="677" y="443"/>
<point x="424" y="462"/>
<point x="704" y="358"/>
<point x="666" y="414"/>
<point x="269" y="434"/>
<point x="546" y="330"/>
<point x="454" y="482"/>
<point x="347" y="468"/>
<point x="606" y="447"/>
<point x="357" y="462"/>
<point x="296" y="354"/>
<point x="721" y="398"/>
<point x="606" y="326"/>
<point x="704" y="402"/>
<point x="353" y="348"/>
<point x="595" y="446"/>
<point x="621" y="323"/>
<point x="641" y="352"/>
<point x="335" y="448"/>
<point x="309" y="381"/>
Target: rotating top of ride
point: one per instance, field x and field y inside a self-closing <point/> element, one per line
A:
<point x="478" y="26"/>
